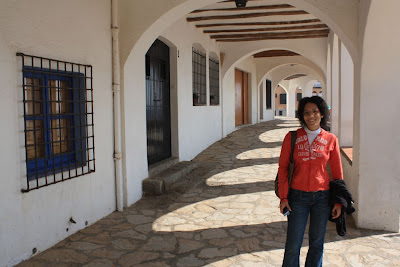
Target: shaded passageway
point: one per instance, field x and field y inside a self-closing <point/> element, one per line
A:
<point x="224" y="213"/>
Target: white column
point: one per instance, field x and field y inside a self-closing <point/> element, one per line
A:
<point x="329" y="75"/>
<point x="335" y="87"/>
<point x="308" y="89"/>
<point x="291" y="99"/>
<point x="379" y="174"/>
<point x="346" y="97"/>
<point x="262" y="100"/>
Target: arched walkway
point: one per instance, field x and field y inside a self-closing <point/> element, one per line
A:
<point x="224" y="213"/>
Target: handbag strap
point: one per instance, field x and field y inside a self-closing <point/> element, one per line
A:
<point x="293" y="138"/>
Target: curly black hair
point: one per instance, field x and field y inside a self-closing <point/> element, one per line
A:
<point x="322" y="106"/>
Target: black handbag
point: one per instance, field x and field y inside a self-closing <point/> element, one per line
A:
<point x="291" y="164"/>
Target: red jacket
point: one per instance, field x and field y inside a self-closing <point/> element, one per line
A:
<point x="310" y="172"/>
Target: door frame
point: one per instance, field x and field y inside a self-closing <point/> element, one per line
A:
<point x="173" y="87"/>
<point x="242" y="112"/>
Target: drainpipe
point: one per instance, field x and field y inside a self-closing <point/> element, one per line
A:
<point x="117" y="106"/>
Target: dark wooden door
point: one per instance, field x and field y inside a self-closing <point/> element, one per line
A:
<point x="238" y="97"/>
<point x="245" y="87"/>
<point x="158" y="117"/>
<point x="241" y="98"/>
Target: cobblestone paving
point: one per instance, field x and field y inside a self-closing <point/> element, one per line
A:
<point x="224" y="213"/>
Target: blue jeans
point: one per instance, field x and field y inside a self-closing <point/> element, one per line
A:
<point x="302" y="204"/>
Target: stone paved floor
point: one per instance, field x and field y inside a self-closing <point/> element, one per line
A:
<point x="225" y="213"/>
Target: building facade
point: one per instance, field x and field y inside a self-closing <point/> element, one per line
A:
<point x="94" y="91"/>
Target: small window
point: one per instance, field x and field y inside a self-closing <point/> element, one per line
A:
<point x="276" y="95"/>
<point x="282" y="99"/>
<point x="58" y="119"/>
<point x="268" y="95"/>
<point x="214" y="82"/>
<point x="199" y="78"/>
<point x="299" y="96"/>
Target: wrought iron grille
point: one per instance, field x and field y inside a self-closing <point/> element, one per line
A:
<point x="199" y="78"/>
<point x="214" y="82"/>
<point x="58" y="120"/>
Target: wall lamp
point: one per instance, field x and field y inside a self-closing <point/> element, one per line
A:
<point x="240" y="3"/>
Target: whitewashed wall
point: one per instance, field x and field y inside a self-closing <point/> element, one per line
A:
<point x="267" y="114"/>
<point x="196" y="128"/>
<point x="199" y="126"/>
<point x="76" y="31"/>
<point x="248" y="65"/>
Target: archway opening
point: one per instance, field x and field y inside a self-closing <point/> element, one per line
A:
<point x="281" y="95"/>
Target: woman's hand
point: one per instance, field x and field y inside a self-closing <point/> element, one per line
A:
<point x="336" y="211"/>
<point x="284" y="203"/>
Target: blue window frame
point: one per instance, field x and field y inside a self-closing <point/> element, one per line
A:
<point x="58" y="120"/>
<point x="55" y="119"/>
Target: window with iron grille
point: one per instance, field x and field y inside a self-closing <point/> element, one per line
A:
<point x="214" y="82"/>
<point x="199" y="78"/>
<point x="268" y="95"/>
<point x="282" y="99"/>
<point x="58" y="120"/>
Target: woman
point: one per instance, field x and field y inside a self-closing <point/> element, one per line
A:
<point x="309" y="190"/>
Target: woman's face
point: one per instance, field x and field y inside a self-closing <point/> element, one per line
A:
<point x="312" y="116"/>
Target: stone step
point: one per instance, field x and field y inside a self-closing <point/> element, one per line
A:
<point x="162" y="165"/>
<point x="160" y="182"/>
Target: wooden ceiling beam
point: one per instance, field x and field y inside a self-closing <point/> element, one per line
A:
<point x="295" y="76"/>
<point x="275" y="53"/>
<point x="259" y="23"/>
<point x="234" y="1"/>
<point x="318" y="26"/>
<point x="273" y="38"/>
<point x="269" y="34"/>
<point x="249" y="15"/>
<point x="244" y="8"/>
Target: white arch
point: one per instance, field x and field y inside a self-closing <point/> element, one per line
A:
<point x="134" y="120"/>
<point x="139" y="29"/>
<point x="284" y="86"/>
<point x="312" y="49"/>
<point x="265" y="65"/>
<point x="282" y="72"/>
<point x="308" y="89"/>
<point x="141" y="25"/>
<point x="342" y="18"/>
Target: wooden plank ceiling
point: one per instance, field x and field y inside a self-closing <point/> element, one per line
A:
<point x="295" y="76"/>
<point x="259" y="20"/>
